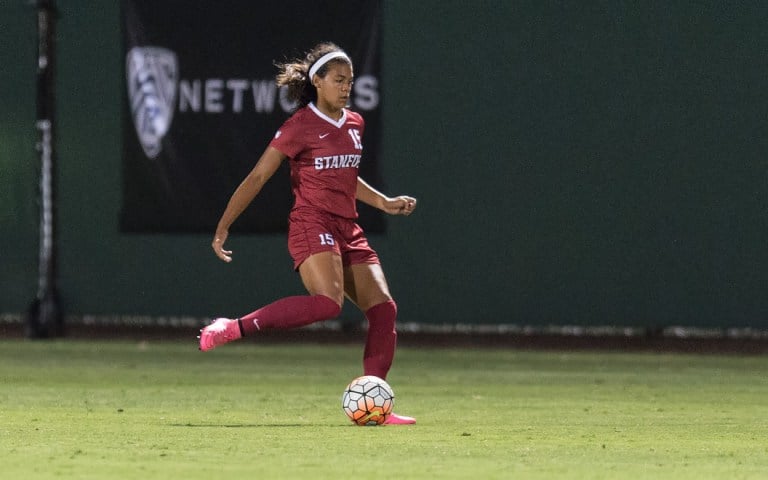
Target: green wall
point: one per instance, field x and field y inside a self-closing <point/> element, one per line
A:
<point x="18" y="173"/>
<point x="597" y="163"/>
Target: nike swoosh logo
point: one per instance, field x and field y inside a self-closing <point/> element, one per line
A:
<point x="324" y="135"/>
<point x="370" y="415"/>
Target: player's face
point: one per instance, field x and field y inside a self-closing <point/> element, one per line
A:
<point x="334" y="89"/>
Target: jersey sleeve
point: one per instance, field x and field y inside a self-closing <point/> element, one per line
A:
<point x="361" y="120"/>
<point x="288" y="138"/>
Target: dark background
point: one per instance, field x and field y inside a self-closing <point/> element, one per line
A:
<point x="206" y="155"/>
<point x="576" y="163"/>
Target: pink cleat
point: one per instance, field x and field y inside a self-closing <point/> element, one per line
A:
<point x="221" y="331"/>
<point x="395" y="419"/>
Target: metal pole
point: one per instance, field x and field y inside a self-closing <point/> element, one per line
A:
<point x="45" y="317"/>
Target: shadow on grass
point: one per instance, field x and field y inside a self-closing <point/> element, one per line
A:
<point x="257" y="425"/>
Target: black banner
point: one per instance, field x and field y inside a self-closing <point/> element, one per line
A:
<point x="201" y="104"/>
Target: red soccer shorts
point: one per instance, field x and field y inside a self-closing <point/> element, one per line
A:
<point x="314" y="232"/>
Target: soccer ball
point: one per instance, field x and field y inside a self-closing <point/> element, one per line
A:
<point x="368" y="400"/>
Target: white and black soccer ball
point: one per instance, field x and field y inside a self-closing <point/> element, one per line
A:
<point x="368" y="400"/>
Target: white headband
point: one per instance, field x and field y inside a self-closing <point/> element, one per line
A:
<point x="325" y="59"/>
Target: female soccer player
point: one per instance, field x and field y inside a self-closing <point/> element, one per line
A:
<point x="322" y="140"/>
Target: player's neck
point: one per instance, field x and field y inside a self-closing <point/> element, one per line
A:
<point x="330" y="112"/>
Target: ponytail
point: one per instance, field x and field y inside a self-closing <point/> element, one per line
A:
<point x="294" y="74"/>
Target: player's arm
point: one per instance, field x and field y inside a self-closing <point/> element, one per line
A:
<point x="243" y="196"/>
<point x="401" y="205"/>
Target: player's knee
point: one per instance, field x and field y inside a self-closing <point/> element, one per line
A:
<point x="383" y="313"/>
<point x="390" y="307"/>
<point x="326" y="307"/>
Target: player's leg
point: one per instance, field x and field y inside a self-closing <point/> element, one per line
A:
<point x="318" y="259"/>
<point x="322" y="276"/>
<point x="366" y="286"/>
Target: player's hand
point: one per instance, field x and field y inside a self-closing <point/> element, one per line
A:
<point x="402" y="205"/>
<point x="218" y="246"/>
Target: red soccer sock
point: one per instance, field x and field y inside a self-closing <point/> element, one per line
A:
<point x="290" y="312"/>
<point x="382" y="338"/>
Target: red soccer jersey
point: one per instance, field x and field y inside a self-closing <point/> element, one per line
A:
<point x="324" y="157"/>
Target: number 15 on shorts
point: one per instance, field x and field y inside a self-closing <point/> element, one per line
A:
<point x="326" y="239"/>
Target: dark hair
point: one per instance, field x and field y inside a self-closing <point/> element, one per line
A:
<point x="294" y="74"/>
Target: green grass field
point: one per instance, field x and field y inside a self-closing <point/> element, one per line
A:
<point x="123" y="410"/>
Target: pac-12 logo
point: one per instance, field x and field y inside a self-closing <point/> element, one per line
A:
<point x="152" y="76"/>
